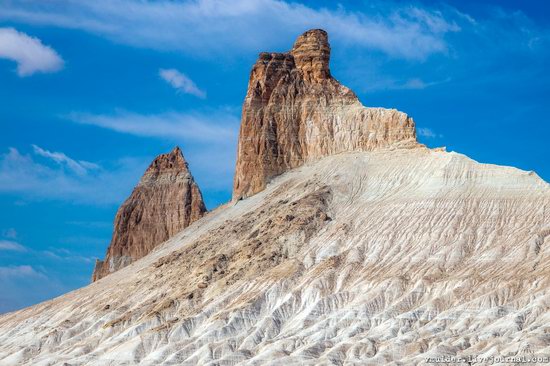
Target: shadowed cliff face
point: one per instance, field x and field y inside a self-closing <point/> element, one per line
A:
<point x="295" y="111"/>
<point x="165" y="201"/>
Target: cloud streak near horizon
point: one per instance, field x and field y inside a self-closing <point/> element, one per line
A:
<point x="23" y="175"/>
<point x="216" y="127"/>
<point x="80" y="167"/>
<point x="12" y="246"/>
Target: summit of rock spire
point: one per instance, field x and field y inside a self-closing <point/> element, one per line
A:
<point x="311" y="53"/>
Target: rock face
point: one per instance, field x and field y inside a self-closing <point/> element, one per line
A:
<point x="295" y="111"/>
<point x="165" y="201"/>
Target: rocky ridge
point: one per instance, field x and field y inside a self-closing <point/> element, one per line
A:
<point x="165" y="201"/>
<point x="295" y="111"/>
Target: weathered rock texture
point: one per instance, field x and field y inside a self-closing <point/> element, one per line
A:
<point x="165" y="201"/>
<point x="295" y="111"/>
<point x="364" y="258"/>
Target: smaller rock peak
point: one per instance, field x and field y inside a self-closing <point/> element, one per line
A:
<point x="172" y="160"/>
<point x="311" y="53"/>
<point x="172" y="163"/>
<point x="166" y="200"/>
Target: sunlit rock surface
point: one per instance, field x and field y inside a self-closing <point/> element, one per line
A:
<point x="295" y="111"/>
<point x="166" y="200"/>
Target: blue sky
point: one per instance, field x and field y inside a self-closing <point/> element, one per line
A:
<point x="92" y="91"/>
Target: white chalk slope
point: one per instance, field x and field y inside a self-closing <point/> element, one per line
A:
<point x="360" y="258"/>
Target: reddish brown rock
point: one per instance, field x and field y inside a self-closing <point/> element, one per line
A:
<point x="295" y="111"/>
<point x="165" y="201"/>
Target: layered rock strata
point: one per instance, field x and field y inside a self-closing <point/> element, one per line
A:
<point x="295" y="111"/>
<point x="165" y="201"/>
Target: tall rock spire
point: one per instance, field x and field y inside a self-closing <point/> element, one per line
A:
<point x="295" y="111"/>
<point x="311" y="53"/>
<point x="165" y="201"/>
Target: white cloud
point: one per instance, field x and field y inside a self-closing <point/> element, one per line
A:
<point x="24" y="285"/>
<point x="20" y="271"/>
<point x="416" y="83"/>
<point x="381" y="83"/>
<point x="21" y="174"/>
<point x="61" y="254"/>
<point x="231" y="27"/>
<point x="12" y="245"/>
<point x="30" y="54"/>
<point x="80" y="167"/>
<point x="181" y="82"/>
<point x="428" y="133"/>
<point x="196" y="127"/>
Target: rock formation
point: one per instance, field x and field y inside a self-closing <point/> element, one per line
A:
<point x="295" y="111"/>
<point x="369" y="257"/>
<point x="165" y="201"/>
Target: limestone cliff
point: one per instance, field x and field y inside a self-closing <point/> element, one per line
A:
<point x="295" y="111"/>
<point x="165" y="201"/>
